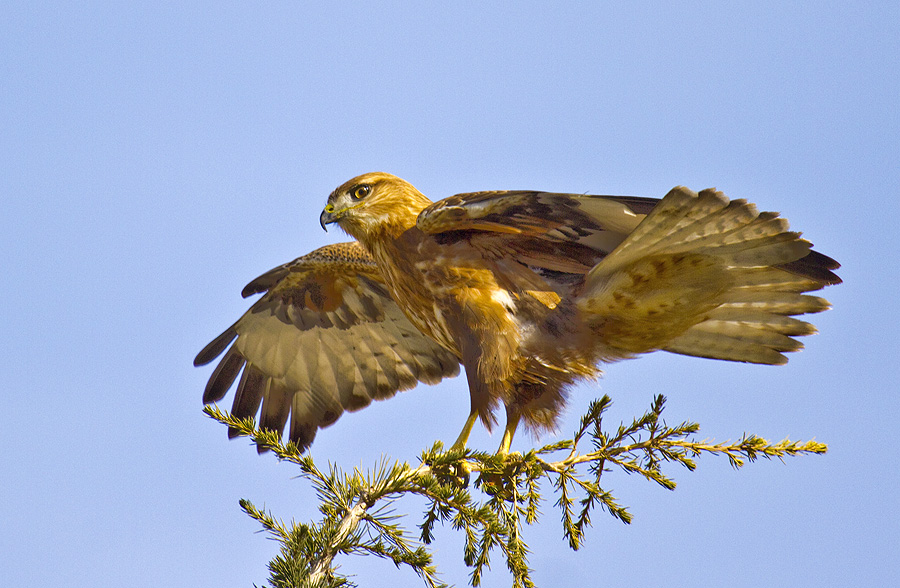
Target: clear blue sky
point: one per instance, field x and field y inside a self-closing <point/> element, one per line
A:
<point x="155" y="158"/>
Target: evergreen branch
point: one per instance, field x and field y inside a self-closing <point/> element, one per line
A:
<point x="356" y="507"/>
<point x="268" y="522"/>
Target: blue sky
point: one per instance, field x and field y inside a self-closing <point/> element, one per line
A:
<point x="156" y="157"/>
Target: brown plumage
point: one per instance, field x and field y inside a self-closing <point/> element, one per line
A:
<point x="529" y="291"/>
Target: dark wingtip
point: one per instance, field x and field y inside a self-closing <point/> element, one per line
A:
<point x="268" y="280"/>
<point x="263" y="282"/>
<point x="303" y="435"/>
<point x="816" y="266"/>
<point x="251" y="289"/>
<point x="215" y="347"/>
<point x="223" y="376"/>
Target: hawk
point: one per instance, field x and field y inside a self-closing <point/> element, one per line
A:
<point x="529" y="291"/>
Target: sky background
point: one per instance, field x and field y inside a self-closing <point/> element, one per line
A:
<point x="155" y="157"/>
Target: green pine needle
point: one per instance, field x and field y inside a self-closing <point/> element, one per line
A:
<point x="491" y="499"/>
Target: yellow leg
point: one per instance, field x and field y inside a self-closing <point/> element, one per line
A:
<point x="467" y="430"/>
<point x="512" y="422"/>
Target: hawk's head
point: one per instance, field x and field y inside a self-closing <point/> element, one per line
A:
<point x="374" y="203"/>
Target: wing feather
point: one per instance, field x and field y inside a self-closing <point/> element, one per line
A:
<point x="567" y="233"/>
<point x="249" y="395"/>
<point x="558" y="236"/>
<point x="597" y="222"/>
<point x="325" y="337"/>
<point x="708" y="276"/>
<point x="570" y="216"/>
<point x="215" y="347"/>
<point x="276" y="407"/>
<point x="223" y="376"/>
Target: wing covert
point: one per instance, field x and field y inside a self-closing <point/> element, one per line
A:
<point x="558" y="236"/>
<point x="522" y="212"/>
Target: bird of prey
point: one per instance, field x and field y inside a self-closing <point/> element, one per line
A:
<point x="529" y="291"/>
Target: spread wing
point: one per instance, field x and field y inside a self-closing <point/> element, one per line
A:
<point x="702" y="275"/>
<point x="324" y="338"/>
<point x="707" y="276"/>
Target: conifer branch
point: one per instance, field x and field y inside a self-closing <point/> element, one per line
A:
<point x="494" y="510"/>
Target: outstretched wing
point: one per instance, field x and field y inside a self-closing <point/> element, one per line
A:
<point x="707" y="276"/>
<point x="325" y="337"/>
<point x="696" y="275"/>
<point x="583" y="227"/>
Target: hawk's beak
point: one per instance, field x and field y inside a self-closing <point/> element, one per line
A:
<point x="327" y="217"/>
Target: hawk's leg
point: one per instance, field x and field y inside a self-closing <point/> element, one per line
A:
<point x="512" y="422"/>
<point x="466" y="431"/>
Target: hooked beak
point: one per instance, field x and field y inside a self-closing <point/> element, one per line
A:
<point x="327" y="217"/>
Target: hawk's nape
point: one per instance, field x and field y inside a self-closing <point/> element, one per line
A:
<point x="530" y="291"/>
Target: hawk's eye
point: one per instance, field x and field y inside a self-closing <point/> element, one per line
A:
<point x="361" y="192"/>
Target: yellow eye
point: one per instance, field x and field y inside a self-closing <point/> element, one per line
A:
<point x="361" y="192"/>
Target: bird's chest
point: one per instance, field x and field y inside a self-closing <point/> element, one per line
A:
<point x="446" y="296"/>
